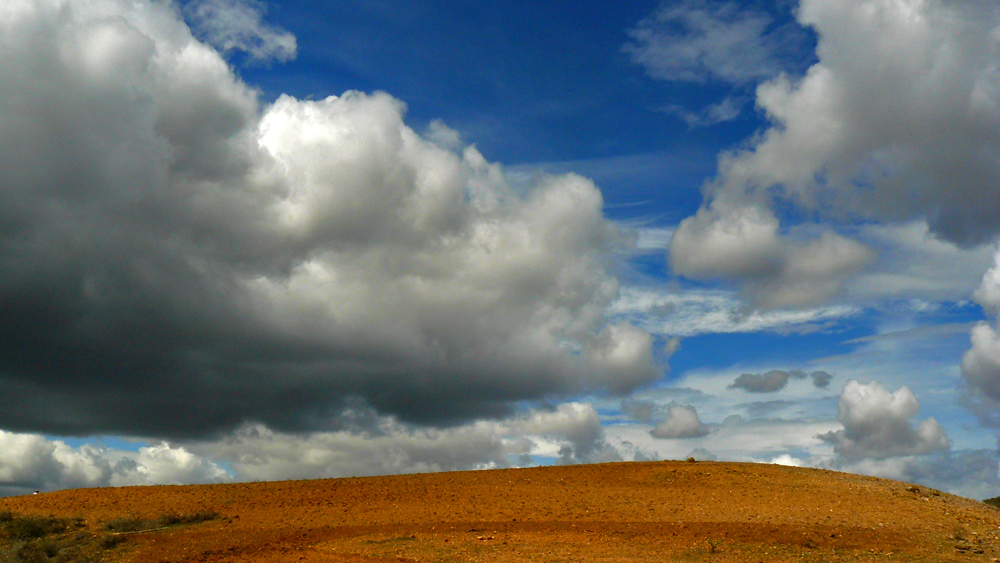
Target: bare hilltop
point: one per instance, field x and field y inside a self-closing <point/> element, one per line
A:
<point x="619" y="512"/>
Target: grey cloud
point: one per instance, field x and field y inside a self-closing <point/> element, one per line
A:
<point x="821" y="379"/>
<point x="681" y="422"/>
<point x="641" y="411"/>
<point x="177" y="261"/>
<point x="776" y="380"/>
<point x="767" y="382"/>
<point x="877" y="424"/>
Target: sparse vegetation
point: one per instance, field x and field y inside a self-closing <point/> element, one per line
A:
<point x="47" y="539"/>
<point x="133" y="524"/>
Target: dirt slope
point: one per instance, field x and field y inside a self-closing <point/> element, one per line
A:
<point x="659" y="511"/>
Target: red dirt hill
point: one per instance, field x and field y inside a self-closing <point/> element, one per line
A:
<point x="659" y="511"/>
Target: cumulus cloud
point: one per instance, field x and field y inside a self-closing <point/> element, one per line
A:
<point x="177" y="261"/>
<point x="238" y="25"/>
<point x="899" y="120"/>
<point x="743" y="242"/>
<point x="681" y="422"/>
<point x="700" y="40"/>
<point x="877" y="424"/>
<point x="981" y="363"/>
<point x="30" y="462"/>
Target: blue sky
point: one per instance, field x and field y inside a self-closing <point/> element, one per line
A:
<point x="250" y="240"/>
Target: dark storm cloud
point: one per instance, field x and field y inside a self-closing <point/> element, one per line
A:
<point x="176" y="260"/>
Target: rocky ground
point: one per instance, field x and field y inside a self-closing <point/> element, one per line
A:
<point x="658" y="511"/>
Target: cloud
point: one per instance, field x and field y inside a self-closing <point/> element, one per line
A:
<point x="681" y="422"/>
<point x="696" y="41"/>
<point x="30" y="462"/>
<point x="743" y="242"/>
<point x="238" y="25"/>
<point x="569" y="433"/>
<point x="177" y="261"/>
<point x="726" y="110"/>
<point x="768" y="382"/>
<point x="821" y="379"/>
<point x="368" y="444"/>
<point x="776" y="379"/>
<point x="914" y="262"/>
<point x="981" y="363"/>
<point x="877" y="424"/>
<point x="694" y="311"/>
<point x="898" y="121"/>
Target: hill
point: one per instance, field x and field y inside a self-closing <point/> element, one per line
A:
<point x="657" y="511"/>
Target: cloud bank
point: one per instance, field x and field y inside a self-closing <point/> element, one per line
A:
<point x="177" y="260"/>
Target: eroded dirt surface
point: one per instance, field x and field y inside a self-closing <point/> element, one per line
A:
<point x="659" y="511"/>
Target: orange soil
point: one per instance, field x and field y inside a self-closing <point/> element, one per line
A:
<point x="658" y="511"/>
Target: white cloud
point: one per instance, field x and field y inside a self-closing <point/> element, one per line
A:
<point x="267" y="264"/>
<point x="899" y="121"/>
<point x="693" y="311"/>
<point x="681" y="422"/>
<point x="914" y="263"/>
<point x="238" y="25"/>
<point x="370" y="445"/>
<point x="569" y="433"/>
<point x="726" y="110"/>
<point x="695" y="41"/>
<point x="981" y="363"/>
<point x="877" y="424"/>
<point x="31" y="462"/>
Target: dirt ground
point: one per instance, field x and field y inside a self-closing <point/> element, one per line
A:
<point x="658" y="511"/>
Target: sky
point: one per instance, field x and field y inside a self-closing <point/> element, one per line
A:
<point x="247" y="240"/>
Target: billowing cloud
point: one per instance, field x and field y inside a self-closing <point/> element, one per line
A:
<point x="981" y="363"/>
<point x="238" y="25"/>
<point x="877" y="424"/>
<point x="699" y="40"/>
<point x="898" y="121"/>
<point x="681" y="422"/>
<point x="744" y="242"/>
<point x="30" y="462"/>
<point x="177" y="261"/>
